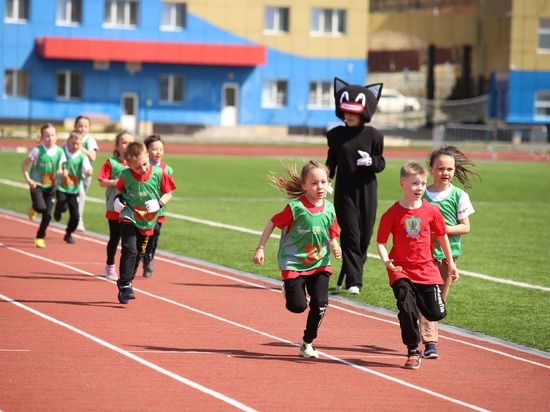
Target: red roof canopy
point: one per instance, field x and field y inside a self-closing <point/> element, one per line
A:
<point x="206" y="54"/>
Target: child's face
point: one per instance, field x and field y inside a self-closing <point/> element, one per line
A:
<point x="49" y="137"/>
<point x="443" y="170"/>
<point x="123" y="143"/>
<point x="352" y="119"/>
<point x="83" y="126"/>
<point x="315" y="184"/>
<point x="156" y="151"/>
<point x="140" y="165"/>
<point x="73" y="144"/>
<point x="413" y="186"/>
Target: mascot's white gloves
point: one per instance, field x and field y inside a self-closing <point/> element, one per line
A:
<point x="152" y="205"/>
<point x="365" y="159"/>
<point x="330" y="190"/>
<point x="118" y="205"/>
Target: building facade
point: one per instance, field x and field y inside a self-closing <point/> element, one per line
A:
<point x="176" y="64"/>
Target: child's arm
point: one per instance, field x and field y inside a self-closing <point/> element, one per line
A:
<point x="383" y="253"/>
<point x="24" y="166"/>
<point x="446" y="246"/>
<point x="259" y="257"/>
<point x="335" y="248"/>
<point x="462" y="228"/>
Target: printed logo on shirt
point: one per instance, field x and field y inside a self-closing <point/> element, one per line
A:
<point x="302" y="231"/>
<point x="412" y="227"/>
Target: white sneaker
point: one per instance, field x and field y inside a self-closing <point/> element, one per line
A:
<point x="308" y="351"/>
<point x="338" y="287"/>
<point x="80" y="227"/>
<point x="354" y="290"/>
<point x="110" y="272"/>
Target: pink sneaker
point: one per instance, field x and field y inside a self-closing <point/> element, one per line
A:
<point x="110" y="272"/>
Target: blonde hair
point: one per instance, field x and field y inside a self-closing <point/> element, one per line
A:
<point x="134" y="151"/>
<point x="38" y="136"/>
<point x="118" y="136"/>
<point x="411" y="168"/>
<point x="291" y="186"/>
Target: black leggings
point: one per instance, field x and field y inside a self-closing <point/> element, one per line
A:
<point x="134" y="246"/>
<point x="296" y="300"/>
<point x="412" y="297"/>
<point x="68" y="201"/>
<point x="42" y="202"/>
<point x="114" y="239"/>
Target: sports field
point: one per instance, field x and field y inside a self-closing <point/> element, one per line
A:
<point x="223" y="202"/>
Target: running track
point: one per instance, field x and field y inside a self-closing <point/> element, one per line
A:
<point x="202" y="337"/>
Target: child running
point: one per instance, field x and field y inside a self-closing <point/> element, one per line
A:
<point x="46" y="162"/>
<point x="413" y="275"/>
<point x="142" y="190"/>
<point x="108" y="176"/>
<point x="309" y="232"/>
<point x="78" y="168"/>
<point x="455" y="205"/>
<point x="155" y="148"/>
<point x="90" y="148"/>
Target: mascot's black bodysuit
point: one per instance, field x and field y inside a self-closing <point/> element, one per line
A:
<point x="355" y="191"/>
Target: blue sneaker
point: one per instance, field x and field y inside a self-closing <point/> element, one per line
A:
<point x="125" y="294"/>
<point x="430" y="351"/>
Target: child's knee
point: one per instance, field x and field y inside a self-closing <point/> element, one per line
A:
<point x="295" y="307"/>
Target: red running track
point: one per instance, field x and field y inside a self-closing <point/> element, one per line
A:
<point x="203" y="337"/>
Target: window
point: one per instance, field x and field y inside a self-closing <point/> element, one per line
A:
<point x="171" y="89"/>
<point x="15" y="83"/>
<point x="321" y="94"/>
<point x="69" y="12"/>
<point x="121" y="13"/>
<point x="17" y="10"/>
<point x="174" y="16"/>
<point x="274" y="93"/>
<point x="542" y="105"/>
<point x="328" y="21"/>
<point x="544" y="34"/>
<point x="69" y="85"/>
<point x="276" y="19"/>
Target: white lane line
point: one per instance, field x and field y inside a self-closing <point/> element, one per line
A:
<point x="223" y="320"/>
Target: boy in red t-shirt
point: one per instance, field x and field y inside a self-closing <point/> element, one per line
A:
<point x="412" y="273"/>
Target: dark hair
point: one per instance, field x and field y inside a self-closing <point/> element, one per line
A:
<point x="82" y="117"/>
<point x="463" y="164"/>
<point x="152" y="138"/>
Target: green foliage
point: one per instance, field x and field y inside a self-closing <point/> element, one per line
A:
<point x="508" y="239"/>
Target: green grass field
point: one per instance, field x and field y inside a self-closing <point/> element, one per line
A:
<point x="508" y="241"/>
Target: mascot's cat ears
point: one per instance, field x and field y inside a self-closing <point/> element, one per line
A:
<point x="356" y="99"/>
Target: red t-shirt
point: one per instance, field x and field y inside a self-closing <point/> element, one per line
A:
<point x="286" y="219"/>
<point x="411" y="231"/>
<point x="106" y="173"/>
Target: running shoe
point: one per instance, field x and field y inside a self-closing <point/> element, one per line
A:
<point x="308" y="351"/>
<point x="430" y="351"/>
<point x="41" y="243"/>
<point x="148" y="268"/>
<point x="413" y="360"/>
<point x="110" y="272"/>
<point x="68" y="238"/>
<point x="125" y="294"/>
<point x="31" y="213"/>
<point x="354" y="290"/>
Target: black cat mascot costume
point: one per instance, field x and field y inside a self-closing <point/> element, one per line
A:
<point x="355" y="155"/>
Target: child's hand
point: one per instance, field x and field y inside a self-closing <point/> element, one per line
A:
<point x="389" y="264"/>
<point x="453" y="271"/>
<point x="32" y="184"/>
<point x="336" y="250"/>
<point x="152" y="205"/>
<point x="259" y="257"/>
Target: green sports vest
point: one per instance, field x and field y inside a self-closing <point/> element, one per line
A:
<point x="71" y="183"/>
<point x="449" y="210"/>
<point x="110" y="192"/>
<point x="44" y="169"/>
<point x="305" y="245"/>
<point x="136" y="193"/>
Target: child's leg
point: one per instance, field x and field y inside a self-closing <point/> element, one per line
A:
<point x="72" y="204"/>
<point x="444" y="271"/>
<point x="114" y="239"/>
<point x="84" y="185"/>
<point x="153" y="242"/>
<point x="429" y="332"/>
<point x="142" y="243"/>
<point x="295" y="295"/>
<point x="317" y="288"/>
<point x="405" y="294"/>
<point x="48" y="196"/>
<point x="430" y="302"/>
<point x="129" y="254"/>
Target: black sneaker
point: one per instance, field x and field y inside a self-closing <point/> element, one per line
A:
<point x="148" y="268"/>
<point x="125" y="294"/>
<point x="69" y="239"/>
<point x="413" y="360"/>
<point x="57" y="215"/>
